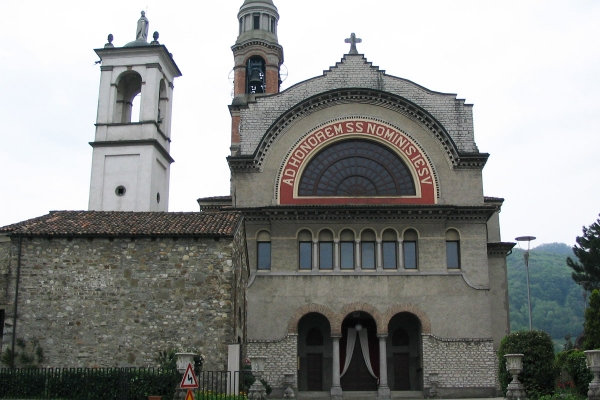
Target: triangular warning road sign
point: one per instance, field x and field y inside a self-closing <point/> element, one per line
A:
<point x="190" y="395"/>
<point x="189" y="380"/>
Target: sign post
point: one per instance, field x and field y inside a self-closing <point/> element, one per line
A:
<point x="189" y="382"/>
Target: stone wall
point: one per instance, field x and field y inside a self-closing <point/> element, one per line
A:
<point x="280" y="355"/>
<point x="460" y="363"/>
<point x="118" y="301"/>
<point x="4" y="301"/>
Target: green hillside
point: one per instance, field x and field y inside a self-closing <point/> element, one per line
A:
<point x="556" y="300"/>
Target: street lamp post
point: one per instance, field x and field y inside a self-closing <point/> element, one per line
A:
<point x="527" y="239"/>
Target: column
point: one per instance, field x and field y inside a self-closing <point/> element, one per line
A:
<point x="383" y="392"/>
<point x="336" y="254"/>
<point x="379" y="255"/>
<point x="400" y="254"/>
<point x="357" y="256"/>
<point x="315" y="254"/>
<point x="336" y="387"/>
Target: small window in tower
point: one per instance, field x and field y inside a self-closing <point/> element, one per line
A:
<point x="272" y="24"/>
<point x="256" y="21"/>
<point x="120" y="191"/>
<point x="158" y="197"/>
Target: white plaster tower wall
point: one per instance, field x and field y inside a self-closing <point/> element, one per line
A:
<point x="131" y="160"/>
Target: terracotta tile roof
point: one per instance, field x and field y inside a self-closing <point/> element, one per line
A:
<point x="114" y="223"/>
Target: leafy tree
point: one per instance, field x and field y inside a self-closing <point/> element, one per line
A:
<point x="586" y="266"/>
<point x="592" y="323"/>
<point x="556" y="300"/>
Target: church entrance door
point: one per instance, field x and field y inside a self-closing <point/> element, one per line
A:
<point x="401" y="372"/>
<point x="315" y="353"/>
<point x="404" y="349"/>
<point x="314" y="365"/>
<point x="359" y="348"/>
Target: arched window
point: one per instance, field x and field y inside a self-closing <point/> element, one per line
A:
<point x="129" y="85"/>
<point x="305" y="254"/>
<point x="347" y="249"/>
<point x="263" y="250"/>
<point x="452" y="249"/>
<point x="389" y="249"/>
<point x="356" y="168"/>
<point x="409" y="249"/>
<point x="325" y="250"/>
<point x="367" y="249"/>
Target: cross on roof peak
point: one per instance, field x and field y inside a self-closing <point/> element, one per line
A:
<point x="353" y="40"/>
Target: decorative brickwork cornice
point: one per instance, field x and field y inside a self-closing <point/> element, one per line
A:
<point x="361" y="212"/>
<point x="365" y="96"/>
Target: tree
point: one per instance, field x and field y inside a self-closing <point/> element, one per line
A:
<point x="592" y="323"/>
<point x="586" y="266"/>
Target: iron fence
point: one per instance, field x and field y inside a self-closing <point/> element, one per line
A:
<point x="117" y="384"/>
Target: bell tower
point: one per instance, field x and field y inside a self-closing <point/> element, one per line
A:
<point x="257" y="58"/>
<point x="131" y="160"/>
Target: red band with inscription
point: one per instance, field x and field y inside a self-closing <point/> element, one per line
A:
<point x="394" y="139"/>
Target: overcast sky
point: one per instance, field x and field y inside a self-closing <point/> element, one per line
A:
<point x="531" y="69"/>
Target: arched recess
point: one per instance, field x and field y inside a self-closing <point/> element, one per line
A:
<point x="311" y="308"/>
<point x="358" y="307"/>
<point x="409" y="308"/>
<point x="359" y="353"/>
<point x="404" y="352"/>
<point x="315" y="352"/>
<point x="128" y="85"/>
<point x="363" y="96"/>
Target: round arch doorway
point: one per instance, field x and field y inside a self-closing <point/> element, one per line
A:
<point x="315" y="353"/>
<point x="359" y="353"/>
<point x="404" y="353"/>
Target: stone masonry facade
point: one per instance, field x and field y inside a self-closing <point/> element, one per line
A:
<point x="357" y="72"/>
<point x="108" y="302"/>
<point x="460" y="363"/>
<point x="280" y="357"/>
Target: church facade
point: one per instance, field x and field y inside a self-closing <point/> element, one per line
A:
<point x="357" y="251"/>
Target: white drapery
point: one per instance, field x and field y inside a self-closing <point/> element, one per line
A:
<point x="364" y="345"/>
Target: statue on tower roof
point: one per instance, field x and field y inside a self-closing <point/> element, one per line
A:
<point x="142" y="28"/>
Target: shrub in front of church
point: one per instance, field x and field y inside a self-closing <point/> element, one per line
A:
<point x="573" y="362"/>
<point x="539" y="372"/>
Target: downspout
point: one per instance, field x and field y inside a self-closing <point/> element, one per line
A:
<point x="14" y="336"/>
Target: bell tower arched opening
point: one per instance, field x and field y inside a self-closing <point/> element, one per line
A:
<point x="255" y="75"/>
<point x="129" y="86"/>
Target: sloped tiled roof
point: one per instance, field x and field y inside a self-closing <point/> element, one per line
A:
<point x="115" y="223"/>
